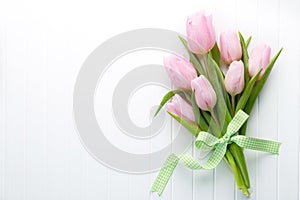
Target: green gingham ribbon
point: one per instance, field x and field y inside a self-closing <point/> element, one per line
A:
<point x="206" y="141"/>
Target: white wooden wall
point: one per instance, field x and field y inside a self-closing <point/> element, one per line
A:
<point x="42" y="47"/>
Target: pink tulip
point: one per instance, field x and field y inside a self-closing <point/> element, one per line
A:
<point x="201" y="34"/>
<point x="181" y="108"/>
<point x="230" y="46"/>
<point x="180" y="71"/>
<point x="259" y="59"/>
<point x="234" y="79"/>
<point x="205" y="95"/>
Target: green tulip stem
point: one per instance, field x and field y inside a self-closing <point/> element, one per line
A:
<point x="235" y="158"/>
<point x="214" y="116"/>
<point x="233" y="103"/>
<point x="205" y="60"/>
<point x="235" y="170"/>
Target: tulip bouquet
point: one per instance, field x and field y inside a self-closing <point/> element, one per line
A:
<point x="216" y="83"/>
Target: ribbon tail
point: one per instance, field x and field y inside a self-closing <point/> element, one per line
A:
<point x="216" y="156"/>
<point x="172" y="161"/>
<point x="257" y="144"/>
<point x="165" y="174"/>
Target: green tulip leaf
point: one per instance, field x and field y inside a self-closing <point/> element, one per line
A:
<point x="216" y="54"/>
<point x="193" y="58"/>
<point x="195" y="107"/>
<point x="245" y="58"/>
<point x="193" y="128"/>
<point x="217" y="80"/>
<point x="247" y="92"/>
<point x="166" y="98"/>
<point x="221" y="77"/>
<point x="248" y="41"/>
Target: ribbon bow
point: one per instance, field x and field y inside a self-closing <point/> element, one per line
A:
<point x="207" y="141"/>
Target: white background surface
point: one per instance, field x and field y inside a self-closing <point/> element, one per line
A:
<point x="42" y="47"/>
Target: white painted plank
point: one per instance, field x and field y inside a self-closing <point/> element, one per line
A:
<point x="2" y="109"/>
<point x="35" y="100"/>
<point x="288" y="110"/>
<point x="15" y="136"/>
<point x="97" y="180"/>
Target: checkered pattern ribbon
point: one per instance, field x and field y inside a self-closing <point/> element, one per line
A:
<point x="206" y="141"/>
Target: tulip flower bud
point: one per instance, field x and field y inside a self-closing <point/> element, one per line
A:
<point x="180" y="71"/>
<point x="259" y="59"/>
<point x="205" y="95"/>
<point x="230" y="46"/>
<point x="234" y="79"/>
<point x="181" y="108"/>
<point x="201" y="34"/>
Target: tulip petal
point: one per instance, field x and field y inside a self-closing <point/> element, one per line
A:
<point x="166" y="98"/>
<point x="181" y="108"/>
<point x="205" y="95"/>
<point x="230" y="46"/>
<point x="234" y="79"/>
<point x="180" y="71"/>
<point x="200" y="33"/>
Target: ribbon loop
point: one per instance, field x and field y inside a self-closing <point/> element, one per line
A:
<point x="207" y="141"/>
<point x="236" y="123"/>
